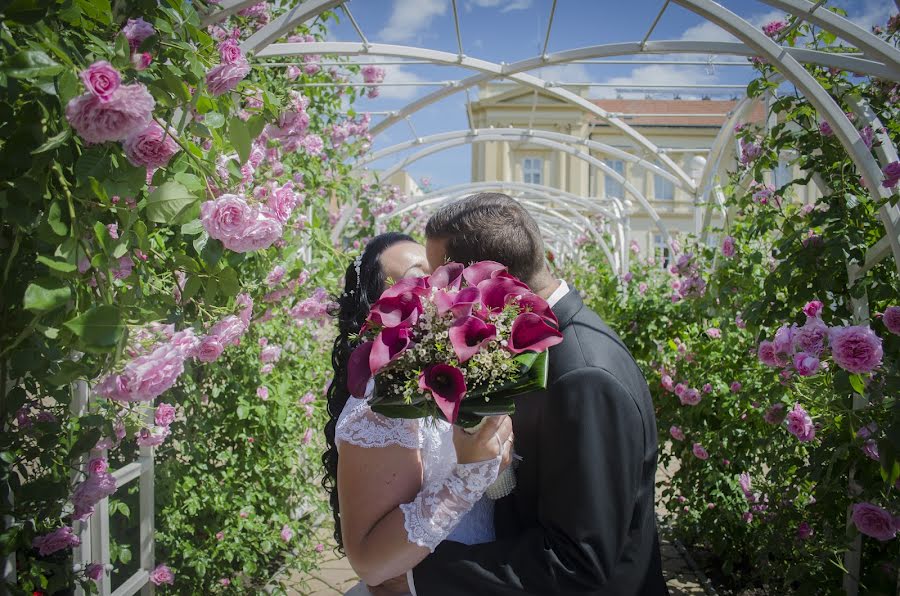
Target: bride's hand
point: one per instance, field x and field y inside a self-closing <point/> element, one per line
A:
<point x="392" y="587"/>
<point x="494" y="438"/>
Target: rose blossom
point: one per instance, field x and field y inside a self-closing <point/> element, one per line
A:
<point x="136" y="31"/>
<point x="275" y="276"/>
<point x="141" y="61"/>
<point x="891" y="174"/>
<point x="714" y="333"/>
<point x="811" y="337"/>
<point x="774" y="414"/>
<point x="145" y="377"/>
<point x="98" y="465"/>
<point x="262" y="392"/>
<point x="226" y="216"/>
<point x="56" y="540"/>
<point x="728" y="246"/>
<point x="735" y="386"/>
<point x="691" y="397"/>
<point x="870" y="448"/>
<point x="95" y="571"/>
<point x="874" y="521"/>
<point x="225" y="77"/>
<point x="229" y="330"/>
<point x="230" y="52"/>
<point x="286" y="533"/>
<point x="804" y="531"/>
<point x="101" y="79"/>
<point x="152" y="147"/>
<point x="784" y="339"/>
<point x="162" y="575"/>
<point x="127" y="110"/>
<point x="806" y="364"/>
<point x="152" y="437"/>
<point x="774" y="28"/>
<point x="667" y="383"/>
<point x="699" y="452"/>
<point x="165" y="414"/>
<point x="90" y="492"/>
<point x="891" y="319"/>
<point x="855" y="348"/>
<point x="813" y="308"/>
<point x="800" y="424"/>
<point x="676" y="433"/>
<point x="270" y="354"/>
<point x="210" y="349"/>
<point x="825" y="129"/>
<point x="307" y="436"/>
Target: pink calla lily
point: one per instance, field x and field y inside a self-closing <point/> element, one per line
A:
<point x="387" y="347"/>
<point x="358" y="372"/>
<point x="448" y="275"/>
<point x="415" y="286"/>
<point x="530" y="333"/>
<point x="497" y="291"/>
<point x="459" y="303"/>
<point x="395" y="311"/>
<point x="531" y="302"/>
<point x="480" y="271"/>
<point x="447" y="386"/>
<point x="468" y="335"/>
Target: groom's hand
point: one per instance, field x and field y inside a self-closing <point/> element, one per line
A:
<point x="494" y="438"/>
<point x="392" y="587"/>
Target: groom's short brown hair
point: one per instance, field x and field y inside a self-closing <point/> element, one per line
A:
<point x="490" y="226"/>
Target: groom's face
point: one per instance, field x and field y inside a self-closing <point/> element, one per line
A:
<point x="436" y="251"/>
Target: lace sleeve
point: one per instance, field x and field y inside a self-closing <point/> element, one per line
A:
<point x="439" y="506"/>
<point x="360" y="426"/>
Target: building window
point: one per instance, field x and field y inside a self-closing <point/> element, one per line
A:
<point x="782" y="174"/>
<point x="661" y="250"/>
<point x="533" y="170"/>
<point x="613" y="188"/>
<point x="663" y="188"/>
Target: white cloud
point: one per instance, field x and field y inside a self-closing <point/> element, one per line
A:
<point x="410" y="18"/>
<point x="563" y="73"/>
<point x="874" y="12"/>
<point x="504" y="5"/>
<point x="708" y="31"/>
<point x="658" y="74"/>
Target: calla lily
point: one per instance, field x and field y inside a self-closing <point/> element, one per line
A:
<point x="531" y="302"/>
<point x="387" y="347"/>
<point x="468" y="335"/>
<point x="478" y="272"/>
<point x="448" y="275"/>
<point x="530" y="333"/>
<point x="358" y="372"/>
<point x="415" y="286"/>
<point x="498" y="290"/>
<point x="447" y="386"/>
<point x="459" y="303"/>
<point x="395" y="311"/>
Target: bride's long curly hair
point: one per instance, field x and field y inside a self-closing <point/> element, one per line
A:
<point x="362" y="287"/>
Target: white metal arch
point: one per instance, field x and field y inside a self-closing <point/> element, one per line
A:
<point x="486" y="138"/>
<point x="518" y="132"/>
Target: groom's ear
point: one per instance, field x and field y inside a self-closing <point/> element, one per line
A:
<point x="436" y="252"/>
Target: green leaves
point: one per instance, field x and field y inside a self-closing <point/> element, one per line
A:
<point x="99" y="329"/>
<point x="169" y="202"/>
<point x="31" y="65"/>
<point x="46" y="294"/>
<point x="240" y="137"/>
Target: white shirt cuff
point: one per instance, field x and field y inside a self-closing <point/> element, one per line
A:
<point x="409" y="580"/>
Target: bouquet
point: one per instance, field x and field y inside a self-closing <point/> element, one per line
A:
<point x="458" y="345"/>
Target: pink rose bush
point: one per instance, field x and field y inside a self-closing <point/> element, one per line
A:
<point x="875" y="522"/>
<point x="162" y="575"/>
<point x="800" y="424"/>
<point x="109" y="111"/>
<point x="891" y="318"/>
<point x="151" y="147"/>
<point x="101" y="80"/>
<point x="238" y="225"/>
<point x="233" y="69"/>
<point x="57" y="540"/>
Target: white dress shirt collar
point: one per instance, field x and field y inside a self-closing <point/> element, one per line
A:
<point x="558" y="293"/>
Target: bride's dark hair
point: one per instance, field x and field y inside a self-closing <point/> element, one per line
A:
<point x="363" y="285"/>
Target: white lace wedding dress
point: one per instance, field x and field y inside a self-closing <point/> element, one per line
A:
<point x="451" y="505"/>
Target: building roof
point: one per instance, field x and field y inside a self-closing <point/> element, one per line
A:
<point x="672" y="111"/>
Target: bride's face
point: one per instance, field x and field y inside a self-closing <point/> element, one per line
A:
<point x="404" y="259"/>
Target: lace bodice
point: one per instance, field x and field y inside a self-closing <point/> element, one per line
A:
<point x="451" y="499"/>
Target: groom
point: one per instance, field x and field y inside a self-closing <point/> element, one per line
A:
<point x="581" y="520"/>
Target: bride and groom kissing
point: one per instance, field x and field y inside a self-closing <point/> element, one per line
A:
<point x="408" y="494"/>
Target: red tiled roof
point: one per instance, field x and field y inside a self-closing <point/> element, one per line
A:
<point x="670" y="111"/>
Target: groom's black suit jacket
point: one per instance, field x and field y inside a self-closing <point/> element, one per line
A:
<point x="581" y="519"/>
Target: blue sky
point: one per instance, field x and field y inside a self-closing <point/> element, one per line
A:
<point x="511" y="30"/>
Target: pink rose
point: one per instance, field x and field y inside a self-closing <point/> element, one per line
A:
<point x="735" y="386"/>
<point x="127" y="110"/>
<point x="313" y="144"/>
<point x="286" y="533"/>
<point x="225" y="77"/>
<point x="220" y="536"/>
<point x="266" y="369"/>
<point x="136" y="31"/>
<point x="165" y="414"/>
<point x="707" y="388"/>
<point x="813" y="308"/>
<point x="282" y="202"/>
<point x="95" y="571"/>
<point x="784" y="339"/>
<point x="811" y="337"/>
<point x="746" y="486"/>
<point x="293" y="72"/>
<point x="307" y="436"/>
<point x="230" y="52"/>
<point x="270" y="354"/>
<point x="874" y="521"/>
<point x="145" y="377"/>
<point x="728" y="246"/>
<point x="320" y="548"/>
<point x="676" y="433"/>
<point x="806" y="364"/>
<point x="101" y="79"/>
<point x="800" y="424"/>
<point x="774" y="28"/>
<point x="307" y="399"/>
<point x="140" y="61"/>
<point x="162" y="575"/>
<point x="667" y="383"/>
<point x="152" y="147"/>
<point x="804" y="531"/>
<point x="275" y="276"/>
<point x="713" y="333"/>
<point x="225" y="582"/>
<point x="57" y="540"/>
<point x="690" y="397"/>
<point x="98" y="465"/>
<point x="259" y="235"/>
<point x="699" y="452"/>
<point x="855" y="348"/>
<point x="152" y="437"/>
<point x="94" y="489"/>
<point x="891" y="174"/>
<point x="229" y="330"/>
<point x="891" y="319"/>
<point x="262" y="392"/>
<point x="226" y="216"/>
<point x="825" y="129"/>
<point x="210" y="349"/>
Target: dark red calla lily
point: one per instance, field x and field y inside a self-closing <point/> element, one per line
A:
<point x="448" y="275"/>
<point x="468" y="335"/>
<point x="447" y="386"/>
<point x="358" y="372"/>
<point x="531" y="302"/>
<point x="480" y="271"/>
<point x="395" y="311"/>
<point x="388" y="346"/>
<point x="417" y="286"/>
<point x="459" y="303"/>
<point x="530" y="333"/>
<point x="497" y="291"/>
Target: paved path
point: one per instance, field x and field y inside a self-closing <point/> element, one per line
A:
<point x="335" y="576"/>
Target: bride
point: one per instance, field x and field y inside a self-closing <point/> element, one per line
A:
<point x="400" y="487"/>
